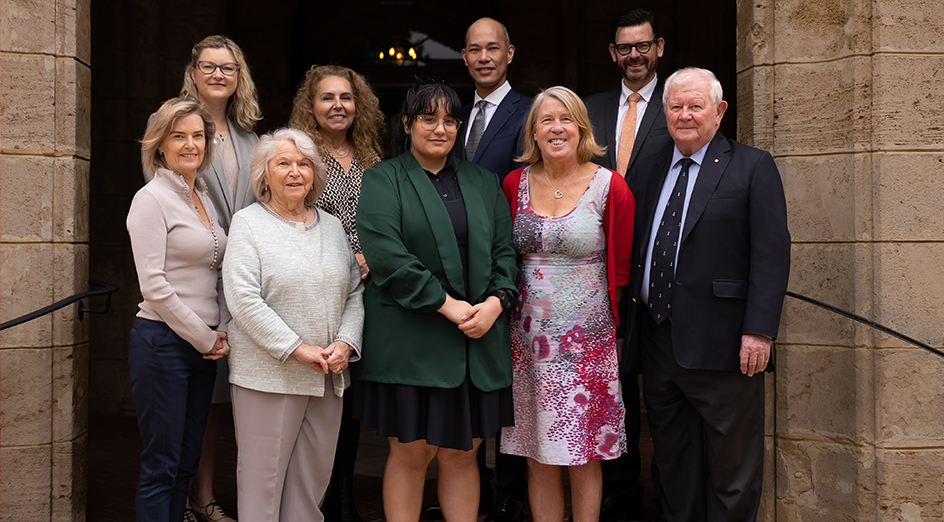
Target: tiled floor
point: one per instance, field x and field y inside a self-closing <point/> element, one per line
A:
<point x="114" y="446"/>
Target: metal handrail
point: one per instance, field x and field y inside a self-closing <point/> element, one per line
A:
<point x="865" y="321"/>
<point x="105" y="289"/>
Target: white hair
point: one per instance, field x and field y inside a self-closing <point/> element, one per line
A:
<point x="683" y="76"/>
<point x="266" y="149"/>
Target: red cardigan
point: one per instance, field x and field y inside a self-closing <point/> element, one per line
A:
<point x="617" y="228"/>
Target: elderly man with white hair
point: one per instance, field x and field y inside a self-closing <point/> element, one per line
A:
<point x="711" y="261"/>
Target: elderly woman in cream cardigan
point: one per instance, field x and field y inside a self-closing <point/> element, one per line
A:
<point x="294" y="290"/>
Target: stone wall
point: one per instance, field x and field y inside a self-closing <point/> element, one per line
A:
<point x="45" y="147"/>
<point x="846" y="95"/>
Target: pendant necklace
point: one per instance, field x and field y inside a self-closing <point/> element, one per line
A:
<point x="558" y="192"/>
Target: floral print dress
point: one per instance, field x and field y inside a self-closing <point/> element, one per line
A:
<point x="568" y="404"/>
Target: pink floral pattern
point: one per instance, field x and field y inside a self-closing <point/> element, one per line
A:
<point x="568" y="404"/>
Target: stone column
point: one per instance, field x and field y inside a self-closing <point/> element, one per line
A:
<point x="846" y="94"/>
<point x="44" y="161"/>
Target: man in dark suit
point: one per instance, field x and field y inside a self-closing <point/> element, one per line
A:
<point x="491" y="135"/>
<point x="712" y="258"/>
<point x="636" y="107"/>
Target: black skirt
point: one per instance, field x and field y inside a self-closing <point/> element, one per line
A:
<point x="443" y="417"/>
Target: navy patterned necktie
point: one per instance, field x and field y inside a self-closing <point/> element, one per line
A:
<point x="475" y="133"/>
<point x="662" y="269"/>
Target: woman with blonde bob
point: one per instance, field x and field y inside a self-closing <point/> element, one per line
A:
<point x="218" y="76"/>
<point x="295" y="292"/>
<point x="337" y="108"/>
<point x="180" y="330"/>
<point x="573" y="223"/>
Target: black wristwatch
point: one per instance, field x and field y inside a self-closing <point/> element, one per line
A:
<point x="503" y="297"/>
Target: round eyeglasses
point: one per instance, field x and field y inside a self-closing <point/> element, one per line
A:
<point x="430" y="123"/>
<point x="228" y="68"/>
<point x="641" y="47"/>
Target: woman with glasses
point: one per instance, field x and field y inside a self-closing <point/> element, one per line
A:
<point x="218" y="76"/>
<point x="339" y="111"/>
<point x="436" y="371"/>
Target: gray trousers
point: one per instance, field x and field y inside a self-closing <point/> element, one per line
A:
<point x="286" y="450"/>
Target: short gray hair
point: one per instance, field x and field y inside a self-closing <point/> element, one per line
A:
<point x="265" y="150"/>
<point x="683" y="76"/>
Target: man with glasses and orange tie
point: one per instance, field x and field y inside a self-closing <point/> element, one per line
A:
<point x="630" y="121"/>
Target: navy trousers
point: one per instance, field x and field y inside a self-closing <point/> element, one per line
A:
<point x="172" y="385"/>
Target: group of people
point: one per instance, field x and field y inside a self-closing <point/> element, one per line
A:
<point x="509" y="271"/>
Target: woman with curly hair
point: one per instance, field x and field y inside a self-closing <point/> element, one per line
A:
<point x="337" y="108"/>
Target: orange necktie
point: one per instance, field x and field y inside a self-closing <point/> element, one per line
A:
<point x="627" y="135"/>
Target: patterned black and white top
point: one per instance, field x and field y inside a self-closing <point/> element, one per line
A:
<point x="341" y="194"/>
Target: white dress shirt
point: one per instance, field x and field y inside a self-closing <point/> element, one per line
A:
<point x="646" y="93"/>
<point x="492" y="102"/>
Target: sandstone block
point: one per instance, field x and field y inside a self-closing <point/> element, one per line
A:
<point x="908" y="25"/>
<point x="908" y="194"/>
<point x="27" y="103"/>
<point x="26" y="385"/>
<point x="768" y="499"/>
<point x="909" y="284"/>
<point x="825" y="392"/>
<point x="71" y="200"/>
<point x="755" y="121"/>
<point x="26" y="286"/>
<point x="820" y="31"/>
<point x="835" y="119"/>
<point x="69" y="479"/>
<point x="824" y="482"/>
<point x="754" y="34"/>
<point x="28" y="26"/>
<point x="823" y="194"/>
<point x="73" y="108"/>
<point x="827" y="273"/>
<point x="73" y="22"/>
<point x="27" y="197"/>
<point x="25" y="482"/>
<point x="70" y="386"/>
<point x="906" y="114"/>
<point x="910" y="397"/>
<point x="70" y="277"/>
<point x="909" y="484"/>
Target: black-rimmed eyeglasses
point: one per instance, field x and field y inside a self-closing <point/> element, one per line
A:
<point x="641" y="47"/>
<point x="228" y="68"/>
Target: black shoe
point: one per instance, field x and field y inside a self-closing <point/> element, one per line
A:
<point x="507" y="509"/>
<point x="486" y="498"/>
<point x="613" y="509"/>
<point x="432" y="512"/>
<point x="339" y="503"/>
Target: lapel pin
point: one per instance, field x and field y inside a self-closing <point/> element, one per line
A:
<point x="716" y="160"/>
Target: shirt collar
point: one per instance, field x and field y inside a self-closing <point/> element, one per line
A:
<point x="698" y="157"/>
<point x="645" y="92"/>
<point x="496" y="96"/>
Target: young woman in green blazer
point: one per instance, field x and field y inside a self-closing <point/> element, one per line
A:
<point x="436" y="370"/>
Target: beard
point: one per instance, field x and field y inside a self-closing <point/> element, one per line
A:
<point x="638" y="75"/>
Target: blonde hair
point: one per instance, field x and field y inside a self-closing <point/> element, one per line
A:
<point x="587" y="149"/>
<point x="242" y="108"/>
<point x="163" y="123"/>
<point x="265" y="150"/>
<point x="364" y="133"/>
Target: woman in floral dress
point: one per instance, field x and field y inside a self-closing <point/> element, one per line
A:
<point x="573" y="223"/>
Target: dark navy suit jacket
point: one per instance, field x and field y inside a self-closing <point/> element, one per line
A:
<point x="502" y="140"/>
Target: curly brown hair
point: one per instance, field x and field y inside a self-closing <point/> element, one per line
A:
<point x="364" y="133"/>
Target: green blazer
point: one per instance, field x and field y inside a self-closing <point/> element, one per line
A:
<point x="410" y="246"/>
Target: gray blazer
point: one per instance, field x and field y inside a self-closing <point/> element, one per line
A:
<point x="217" y="190"/>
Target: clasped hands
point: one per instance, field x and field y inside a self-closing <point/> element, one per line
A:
<point x="473" y="320"/>
<point x="334" y="358"/>
<point x="220" y="348"/>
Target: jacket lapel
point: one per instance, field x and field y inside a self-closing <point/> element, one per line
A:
<point x="439" y="222"/>
<point x="709" y="174"/>
<point x="652" y="191"/>
<point x="244" y="143"/>
<point x="653" y="111"/>
<point x="480" y="228"/>
<point x="609" y="127"/>
<point x="502" y="113"/>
